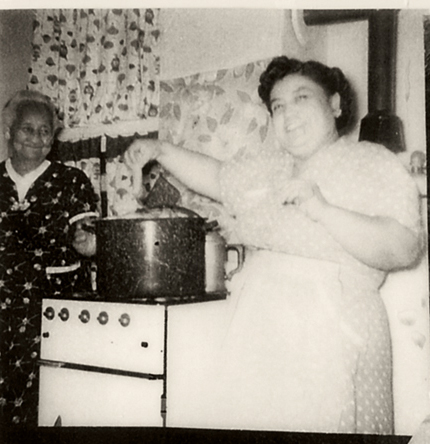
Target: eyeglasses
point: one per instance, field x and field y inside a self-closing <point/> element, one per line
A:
<point x="44" y="133"/>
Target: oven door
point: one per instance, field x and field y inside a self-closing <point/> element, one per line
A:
<point x="71" y="397"/>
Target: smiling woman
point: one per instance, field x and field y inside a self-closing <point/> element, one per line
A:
<point x="303" y="341"/>
<point x="43" y="247"/>
<point x="30" y="136"/>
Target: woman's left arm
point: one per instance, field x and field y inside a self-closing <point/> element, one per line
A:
<point x="379" y="242"/>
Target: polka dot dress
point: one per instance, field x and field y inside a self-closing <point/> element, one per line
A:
<point x="308" y="345"/>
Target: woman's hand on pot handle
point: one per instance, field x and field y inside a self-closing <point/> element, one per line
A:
<point x="307" y="196"/>
<point x="84" y="238"/>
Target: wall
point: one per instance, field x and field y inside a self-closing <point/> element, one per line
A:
<point x="347" y="45"/>
<point x="199" y="40"/>
<point x="15" y="53"/>
<point x="411" y="78"/>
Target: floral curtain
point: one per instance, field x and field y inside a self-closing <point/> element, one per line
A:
<point x="216" y="113"/>
<point x="100" y="67"/>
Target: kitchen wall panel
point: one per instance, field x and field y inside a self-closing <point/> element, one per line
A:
<point x="15" y="53"/>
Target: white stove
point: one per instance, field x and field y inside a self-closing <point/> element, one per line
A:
<point x="102" y="364"/>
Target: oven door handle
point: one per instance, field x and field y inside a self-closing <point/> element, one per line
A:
<point x="107" y="370"/>
<point x="48" y="363"/>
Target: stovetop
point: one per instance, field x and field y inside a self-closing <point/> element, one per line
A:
<point x="149" y="300"/>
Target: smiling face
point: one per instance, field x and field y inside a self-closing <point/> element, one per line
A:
<point x="30" y="138"/>
<point x="303" y="115"/>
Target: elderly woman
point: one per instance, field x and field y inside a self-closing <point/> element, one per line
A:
<point x="306" y="344"/>
<point x="42" y="207"/>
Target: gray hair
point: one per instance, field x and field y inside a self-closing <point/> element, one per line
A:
<point x="9" y="113"/>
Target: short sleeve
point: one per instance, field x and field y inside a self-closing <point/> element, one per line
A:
<point x="386" y="187"/>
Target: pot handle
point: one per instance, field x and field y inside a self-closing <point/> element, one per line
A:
<point x="240" y="250"/>
<point x="212" y="226"/>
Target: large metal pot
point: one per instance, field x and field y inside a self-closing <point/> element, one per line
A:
<point x="152" y="254"/>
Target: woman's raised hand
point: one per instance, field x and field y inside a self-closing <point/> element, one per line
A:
<point x="138" y="154"/>
<point x="196" y="171"/>
<point x="307" y="196"/>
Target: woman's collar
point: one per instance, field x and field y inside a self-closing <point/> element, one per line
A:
<point x="35" y="173"/>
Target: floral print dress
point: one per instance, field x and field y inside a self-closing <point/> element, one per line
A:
<point x="35" y="237"/>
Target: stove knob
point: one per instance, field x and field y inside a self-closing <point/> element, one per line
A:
<point x="103" y="318"/>
<point x="84" y="316"/>
<point x="64" y="314"/>
<point x="49" y="313"/>
<point x="124" y="320"/>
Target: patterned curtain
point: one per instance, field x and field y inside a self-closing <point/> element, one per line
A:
<point x="101" y="69"/>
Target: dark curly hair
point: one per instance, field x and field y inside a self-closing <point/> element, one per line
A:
<point x="332" y="80"/>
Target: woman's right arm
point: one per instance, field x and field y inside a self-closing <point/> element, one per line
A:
<point x="195" y="170"/>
